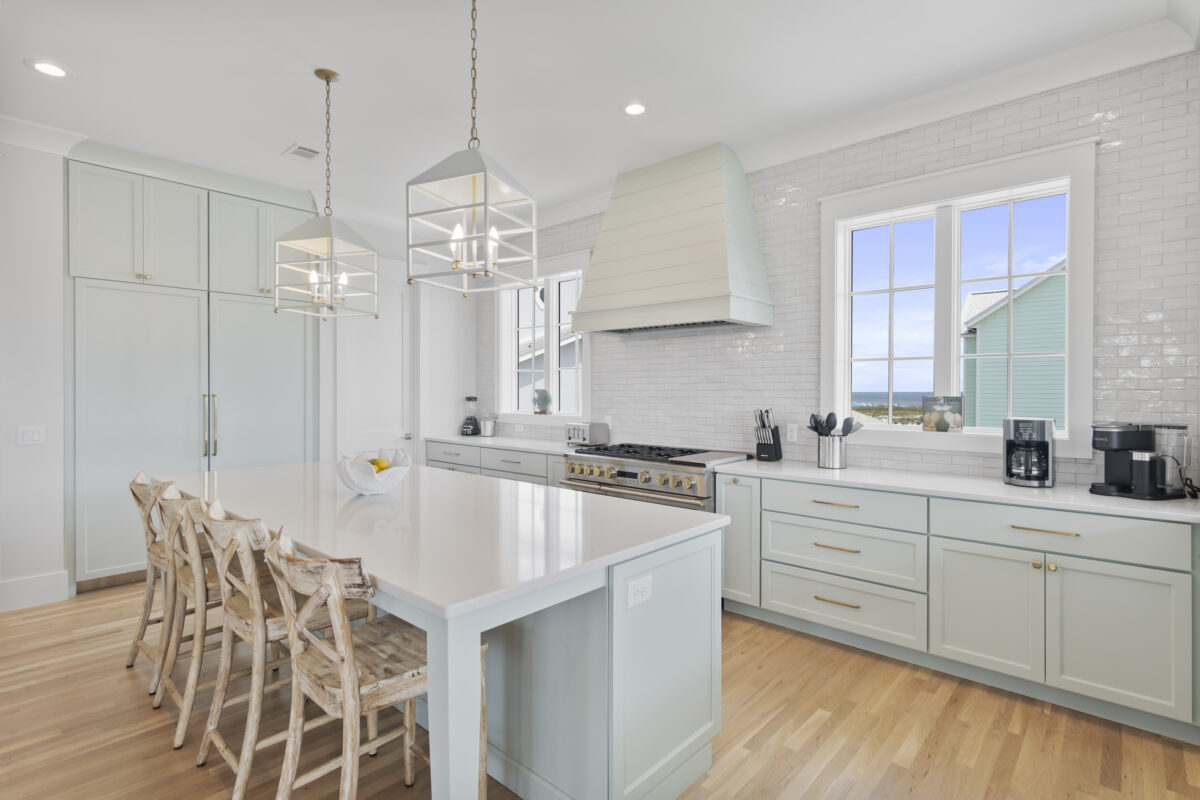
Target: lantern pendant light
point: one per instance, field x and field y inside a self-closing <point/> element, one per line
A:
<point x="323" y="267"/>
<point x="471" y="227"/>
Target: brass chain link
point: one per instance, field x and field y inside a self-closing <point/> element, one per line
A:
<point x="473" y="142"/>
<point x="328" y="157"/>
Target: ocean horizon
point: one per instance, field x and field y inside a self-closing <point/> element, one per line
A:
<point x="881" y="398"/>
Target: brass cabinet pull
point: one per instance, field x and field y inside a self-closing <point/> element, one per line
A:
<point x="1042" y="530"/>
<point x="735" y="480"/>
<point x="510" y="461"/>
<point x="831" y="503"/>
<point x="835" y="547"/>
<point x="834" y="602"/>
<point x="1052" y="567"/>
<point x="1037" y="565"/>
<point x="204" y="406"/>
<point x="448" y="453"/>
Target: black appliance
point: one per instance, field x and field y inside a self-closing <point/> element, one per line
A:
<point x="1120" y="442"/>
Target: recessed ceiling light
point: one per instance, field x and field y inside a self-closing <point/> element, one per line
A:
<point x="46" y="68"/>
<point x="635" y="109"/>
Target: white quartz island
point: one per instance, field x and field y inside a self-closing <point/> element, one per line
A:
<point x="602" y="618"/>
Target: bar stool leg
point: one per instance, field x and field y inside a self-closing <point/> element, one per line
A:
<point x="199" y="629"/>
<point x="258" y="676"/>
<point x="410" y="731"/>
<point x="295" y="740"/>
<point x="351" y="732"/>
<point x="166" y="632"/>
<point x="218" y="699"/>
<point x="144" y="620"/>
<point x="372" y="729"/>
<point x="171" y="651"/>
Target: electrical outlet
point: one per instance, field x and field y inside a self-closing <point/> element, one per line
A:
<point x="793" y="431"/>
<point x="518" y="428"/>
<point x="641" y="590"/>
<point x="31" y="434"/>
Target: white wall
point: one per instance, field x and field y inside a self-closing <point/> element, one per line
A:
<point x="32" y="366"/>
<point x="697" y="387"/>
<point x="446" y="360"/>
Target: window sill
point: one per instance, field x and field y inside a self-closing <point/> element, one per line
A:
<point x="538" y="420"/>
<point x="979" y="442"/>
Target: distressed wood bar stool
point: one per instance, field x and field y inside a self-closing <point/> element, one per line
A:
<point x="375" y="665"/>
<point x="195" y="582"/>
<point x="252" y="613"/>
<point x="145" y="495"/>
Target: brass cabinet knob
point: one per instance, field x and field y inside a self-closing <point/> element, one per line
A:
<point x="735" y="480"/>
<point x="1052" y="567"/>
<point x="148" y="276"/>
<point x="644" y="476"/>
<point x="660" y="479"/>
<point x="1037" y="565"/>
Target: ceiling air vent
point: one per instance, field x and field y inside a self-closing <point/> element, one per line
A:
<point x="300" y="151"/>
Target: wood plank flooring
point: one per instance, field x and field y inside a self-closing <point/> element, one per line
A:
<point x="803" y="718"/>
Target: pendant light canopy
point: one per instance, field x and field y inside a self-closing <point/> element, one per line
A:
<point x="471" y="227"/>
<point x="322" y="267"/>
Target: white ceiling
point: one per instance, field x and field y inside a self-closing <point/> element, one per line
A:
<point x="228" y="84"/>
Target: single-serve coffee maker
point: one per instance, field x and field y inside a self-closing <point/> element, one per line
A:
<point x="1145" y="462"/>
<point x="1029" y="452"/>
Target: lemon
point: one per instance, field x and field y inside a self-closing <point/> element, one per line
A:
<point x="380" y="464"/>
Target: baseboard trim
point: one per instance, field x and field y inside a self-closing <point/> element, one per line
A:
<point x="33" y="590"/>
<point x="121" y="579"/>
<point x="1143" y="720"/>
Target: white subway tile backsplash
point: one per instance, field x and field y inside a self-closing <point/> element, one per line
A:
<point x="698" y="386"/>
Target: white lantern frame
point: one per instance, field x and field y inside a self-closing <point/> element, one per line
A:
<point x="471" y="227"/>
<point x="323" y="268"/>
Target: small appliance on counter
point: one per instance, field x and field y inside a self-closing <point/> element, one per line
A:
<point x="1029" y="452"/>
<point x="588" y="433"/>
<point x="470" y="425"/>
<point x="1144" y="462"/>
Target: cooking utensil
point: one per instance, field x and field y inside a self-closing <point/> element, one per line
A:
<point x="830" y="423"/>
<point x="847" y="426"/>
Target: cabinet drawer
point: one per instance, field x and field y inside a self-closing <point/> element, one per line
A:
<point x="453" y="467"/>
<point x="880" y="612"/>
<point x="467" y="455"/>
<point x="863" y="506"/>
<point x="872" y="554"/>
<point x="513" y="476"/>
<point x="513" y="461"/>
<point x="1156" y="544"/>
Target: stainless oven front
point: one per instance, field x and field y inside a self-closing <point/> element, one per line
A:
<point x="645" y="495"/>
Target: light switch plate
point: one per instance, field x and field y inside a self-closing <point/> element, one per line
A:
<point x="793" y="431"/>
<point x="31" y="434"/>
<point x="641" y="590"/>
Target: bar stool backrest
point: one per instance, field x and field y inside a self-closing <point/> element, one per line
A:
<point x="145" y="494"/>
<point x="237" y="546"/>
<point x="180" y="516"/>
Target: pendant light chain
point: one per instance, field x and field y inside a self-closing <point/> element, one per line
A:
<point x="328" y="157"/>
<point x="473" y="142"/>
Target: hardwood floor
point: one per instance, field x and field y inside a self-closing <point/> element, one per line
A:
<point x="803" y="718"/>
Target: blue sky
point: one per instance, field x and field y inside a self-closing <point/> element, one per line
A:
<point x="1039" y="242"/>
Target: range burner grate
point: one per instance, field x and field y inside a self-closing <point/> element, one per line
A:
<point x="642" y="452"/>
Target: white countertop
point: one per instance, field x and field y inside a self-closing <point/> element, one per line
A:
<point x="554" y="447"/>
<point x="1065" y="497"/>
<point x="451" y="542"/>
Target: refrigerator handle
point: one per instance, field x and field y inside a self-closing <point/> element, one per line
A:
<point x="214" y="425"/>
<point x="204" y="411"/>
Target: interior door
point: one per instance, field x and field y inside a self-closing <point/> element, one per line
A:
<point x="141" y="373"/>
<point x="262" y="383"/>
<point x="987" y="606"/>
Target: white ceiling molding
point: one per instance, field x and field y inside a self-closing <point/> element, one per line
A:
<point x="31" y="135"/>
<point x="1186" y="14"/>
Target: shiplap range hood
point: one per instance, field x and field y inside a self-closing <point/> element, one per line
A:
<point x="678" y="247"/>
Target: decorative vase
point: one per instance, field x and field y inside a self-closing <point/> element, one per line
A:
<point x="541" y="401"/>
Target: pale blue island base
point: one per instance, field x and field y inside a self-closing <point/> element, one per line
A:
<point x="602" y="618"/>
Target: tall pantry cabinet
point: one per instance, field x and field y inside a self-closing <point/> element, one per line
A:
<point x="181" y="364"/>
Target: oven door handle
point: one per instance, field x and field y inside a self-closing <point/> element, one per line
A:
<point x="636" y="494"/>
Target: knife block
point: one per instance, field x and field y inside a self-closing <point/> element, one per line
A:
<point x="772" y="451"/>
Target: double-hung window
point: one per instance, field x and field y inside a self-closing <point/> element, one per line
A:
<point x="538" y="350"/>
<point x="979" y="285"/>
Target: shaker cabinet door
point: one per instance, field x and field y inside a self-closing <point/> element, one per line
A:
<point x="176" y="234"/>
<point x="104" y="223"/>
<point x="236" y="235"/>
<point x="1120" y="633"/>
<point x="987" y="606"/>
<point x="741" y="571"/>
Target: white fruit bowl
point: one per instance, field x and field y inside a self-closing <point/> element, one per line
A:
<point x="360" y="476"/>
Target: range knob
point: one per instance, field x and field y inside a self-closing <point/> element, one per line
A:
<point x="688" y="483"/>
<point x="596" y="473"/>
<point x="610" y="472"/>
<point x="675" y="481"/>
<point x="660" y="479"/>
<point x="644" y="476"/>
<point x="571" y="469"/>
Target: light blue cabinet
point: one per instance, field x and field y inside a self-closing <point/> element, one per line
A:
<point x="740" y="498"/>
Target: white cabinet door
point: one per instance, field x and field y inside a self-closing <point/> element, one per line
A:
<point x="236" y="235"/>
<point x="987" y="606"/>
<point x="1120" y="633"/>
<point x="104" y="223"/>
<point x="175" y="224"/>
<point x="141" y="369"/>
<point x="740" y="568"/>
<point x="262" y="383"/>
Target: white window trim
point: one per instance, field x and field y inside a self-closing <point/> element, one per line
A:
<point x="1074" y="161"/>
<point x="553" y="267"/>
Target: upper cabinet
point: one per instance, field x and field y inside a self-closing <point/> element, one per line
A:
<point x="126" y="227"/>
<point x="242" y="236"/>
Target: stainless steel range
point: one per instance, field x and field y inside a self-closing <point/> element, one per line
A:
<point x="674" y="476"/>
